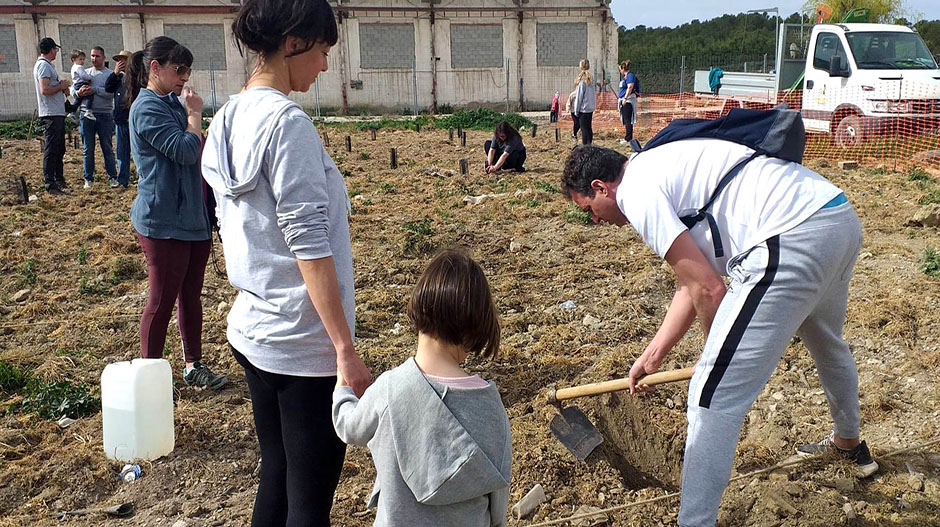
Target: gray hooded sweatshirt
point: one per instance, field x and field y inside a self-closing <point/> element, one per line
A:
<point x="442" y="455"/>
<point x="280" y="198"/>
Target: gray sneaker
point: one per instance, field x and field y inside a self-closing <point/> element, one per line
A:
<point x="113" y="183"/>
<point x="865" y="465"/>
<point x="200" y="375"/>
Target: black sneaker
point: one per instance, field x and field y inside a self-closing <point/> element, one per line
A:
<point x="203" y="377"/>
<point x="55" y="191"/>
<point x="860" y="454"/>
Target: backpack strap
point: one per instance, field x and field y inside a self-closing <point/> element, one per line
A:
<point x="690" y="220"/>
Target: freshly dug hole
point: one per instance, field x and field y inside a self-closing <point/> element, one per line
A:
<point x="643" y="438"/>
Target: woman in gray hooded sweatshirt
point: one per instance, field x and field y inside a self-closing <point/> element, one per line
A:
<point x="282" y="208"/>
<point x="439" y="437"/>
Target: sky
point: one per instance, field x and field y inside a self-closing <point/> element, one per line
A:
<point x="672" y="13"/>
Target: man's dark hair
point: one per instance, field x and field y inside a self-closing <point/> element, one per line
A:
<point x="98" y="48"/>
<point x="452" y="302"/>
<point x="263" y="25"/>
<point x="586" y="163"/>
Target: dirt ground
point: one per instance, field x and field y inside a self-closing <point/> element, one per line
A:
<point x="79" y="315"/>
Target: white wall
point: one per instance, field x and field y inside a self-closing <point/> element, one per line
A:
<point x="383" y="89"/>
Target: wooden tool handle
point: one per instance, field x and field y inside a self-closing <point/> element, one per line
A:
<point x="615" y="385"/>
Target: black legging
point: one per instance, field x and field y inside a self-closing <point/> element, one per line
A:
<point x="293" y="418"/>
<point x="576" y="125"/>
<point x="515" y="161"/>
<point x="587" y="132"/>
<point x="626" y="115"/>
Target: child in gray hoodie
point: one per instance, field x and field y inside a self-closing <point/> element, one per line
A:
<point x="439" y="437"/>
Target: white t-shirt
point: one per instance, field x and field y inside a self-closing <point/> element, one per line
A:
<point x="768" y="197"/>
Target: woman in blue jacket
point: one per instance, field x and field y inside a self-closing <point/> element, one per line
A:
<point x="169" y="213"/>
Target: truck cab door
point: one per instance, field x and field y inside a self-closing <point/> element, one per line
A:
<point x="822" y="92"/>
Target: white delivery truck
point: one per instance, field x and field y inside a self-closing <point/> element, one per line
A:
<point x="857" y="80"/>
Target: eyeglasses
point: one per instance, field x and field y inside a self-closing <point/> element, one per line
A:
<point x="183" y="70"/>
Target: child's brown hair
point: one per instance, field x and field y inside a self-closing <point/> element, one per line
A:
<point x="77" y="53"/>
<point x="452" y="302"/>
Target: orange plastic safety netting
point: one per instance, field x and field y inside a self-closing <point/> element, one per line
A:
<point x="899" y="132"/>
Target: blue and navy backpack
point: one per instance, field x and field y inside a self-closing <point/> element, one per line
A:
<point x="778" y="132"/>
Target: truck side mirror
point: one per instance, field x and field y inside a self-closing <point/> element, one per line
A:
<point x="835" y="67"/>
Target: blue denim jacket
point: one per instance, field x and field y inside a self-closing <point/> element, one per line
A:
<point x="169" y="202"/>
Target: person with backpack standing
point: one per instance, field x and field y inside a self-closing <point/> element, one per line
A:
<point x="788" y="240"/>
<point x="585" y="100"/>
<point x="626" y="100"/>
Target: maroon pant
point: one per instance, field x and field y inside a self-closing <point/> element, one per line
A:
<point x="175" y="271"/>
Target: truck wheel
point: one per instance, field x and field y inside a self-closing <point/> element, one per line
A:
<point x="849" y="132"/>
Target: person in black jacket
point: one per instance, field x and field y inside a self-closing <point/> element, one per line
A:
<point x="505" y="151"/>
<point x="121" y="110"/>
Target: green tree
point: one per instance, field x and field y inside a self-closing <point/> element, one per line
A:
<point x="880" y="11"/>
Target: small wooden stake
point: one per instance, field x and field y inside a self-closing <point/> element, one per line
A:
<point x="326" y="138"/>
<point x="459" y="132"/>
<point x="557" y="135"/>
<point x="393" y="157"/>
<point x="464" y="167"/>
<point x="534" y="128"/>
<point x="24" y="189"/>
<point x="463" y="139"/>
<point x="373" y="134"/>
<point x="348" y="144"/>
<point x="417" y="127"/>
<point x="75" y="143"/>
<point x="450" y="135"/>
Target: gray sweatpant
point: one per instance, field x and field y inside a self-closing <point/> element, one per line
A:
<point x="793" y="283"/>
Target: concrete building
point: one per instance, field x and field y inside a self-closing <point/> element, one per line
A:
<point x="391" y="56"/>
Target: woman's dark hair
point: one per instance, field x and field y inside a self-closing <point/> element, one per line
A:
<point x="507" y="129"/>
<point x="165" y="51"/>
<point x="452" y="302"/>
<point x="586" y="163"/>
<point x="262" y="25"/>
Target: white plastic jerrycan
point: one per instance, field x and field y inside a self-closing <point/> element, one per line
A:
<point x="137" y="409"/>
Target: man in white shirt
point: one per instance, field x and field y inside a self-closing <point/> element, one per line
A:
<point x="788" y="240"/>
<point x="50" y="98"/>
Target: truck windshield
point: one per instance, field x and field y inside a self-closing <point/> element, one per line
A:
<point x="878" y="50"/>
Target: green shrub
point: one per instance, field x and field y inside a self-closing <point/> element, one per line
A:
<point x="482" y="119"/>
<point x="52" y="400"/>
<point x="15" y="130"/>
<point x="12" y="378"/>
<point x="92" y="287"/>
<point x="28" y="272"/>
<point x="931" y="264"/>
<point x="576" y="215"/>
<point x="124" y="268"/>
<point x="546" y="187"/>
<point x="918" y="174"/>
<point x="82" y="255"/>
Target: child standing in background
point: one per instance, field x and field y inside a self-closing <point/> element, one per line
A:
<point x="80" y="77"/>
<point x="439" y="437"/>
<point x="553" y="110"/>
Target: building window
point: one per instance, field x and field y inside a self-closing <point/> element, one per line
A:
<point x="386" y="46"/>
<point x="206" y="41"/>
<point x="561" y="44"/>
<point x="9" y="59"/>
<point x="476" y="46"/>
<point x="109" y="37"/>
